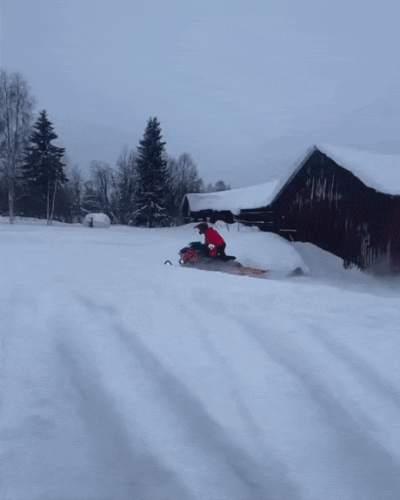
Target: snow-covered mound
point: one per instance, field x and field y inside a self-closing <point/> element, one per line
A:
<point x="322" y="264"/>
<point x="98" y="220"/>
<point x="255" y="248"/>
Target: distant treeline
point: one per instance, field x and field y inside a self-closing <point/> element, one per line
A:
<point x="144" y="188"/>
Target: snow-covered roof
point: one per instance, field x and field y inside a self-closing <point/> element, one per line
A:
<point x="378" y="171"/>
<point x="234" y="200"/>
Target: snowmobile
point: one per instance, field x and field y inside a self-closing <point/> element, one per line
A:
<point x="197" y="255"/>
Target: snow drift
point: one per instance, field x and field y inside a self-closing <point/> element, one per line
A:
<point x="142" y="381"/>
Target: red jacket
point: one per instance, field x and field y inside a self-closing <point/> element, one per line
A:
<point x="213" y="238"/>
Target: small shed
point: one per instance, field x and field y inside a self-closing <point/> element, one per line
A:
<point x="345" y="201"/>
<point x="97" y="220"/>
<point x="226" y="205"/>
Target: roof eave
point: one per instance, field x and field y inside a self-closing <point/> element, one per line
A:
<point x="298" y="166"/>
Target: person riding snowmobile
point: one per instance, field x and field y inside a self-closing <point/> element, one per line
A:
<point x="214" y="241"/>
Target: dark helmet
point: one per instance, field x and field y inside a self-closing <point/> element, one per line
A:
<point x="202" y="227"/>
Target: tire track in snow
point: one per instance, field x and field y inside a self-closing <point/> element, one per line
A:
<point x="274" y="470"/>
<point x="369" y="470"/>
<point x="230" y="377"/>
<point x="356" y="363"/>
<point x="258" y="480"/>
<point x="121" y="464"/>
<point x="236" y="474"/>
<point x="45" y="449"/>
<point x="126" y="469"/>
<point x="383" y="402"/>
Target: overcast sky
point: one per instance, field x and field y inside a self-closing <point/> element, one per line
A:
<point x="244" y="86"/>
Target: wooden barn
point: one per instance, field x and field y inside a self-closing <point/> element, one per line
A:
<point x="226" y="205"/>
<point x="345" y="201"/>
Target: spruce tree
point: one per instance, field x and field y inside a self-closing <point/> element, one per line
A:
<point x="43" y="170"/>
<point x="152" y="188"/>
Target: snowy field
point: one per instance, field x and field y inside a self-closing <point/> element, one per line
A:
<point x="127" y="379"/>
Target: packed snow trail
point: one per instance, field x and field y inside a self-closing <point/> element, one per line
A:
<point x="123" y="378"/>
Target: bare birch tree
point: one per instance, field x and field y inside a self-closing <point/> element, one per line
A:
<point x="99" y="189"/>
<point x="126" y="180"/>
<point x="16" y="112"/>
<point x="76" y="185"/>
<point x="183" y="178"/>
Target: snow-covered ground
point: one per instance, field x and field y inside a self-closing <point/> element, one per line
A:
<point x="124" y="378"/>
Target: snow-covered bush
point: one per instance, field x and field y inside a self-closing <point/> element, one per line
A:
<point x="96" y="220"/>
